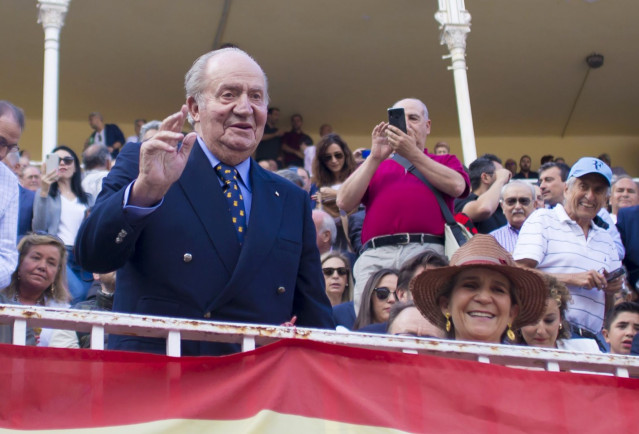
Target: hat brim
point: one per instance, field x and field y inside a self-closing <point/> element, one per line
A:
<point x="528" y="288"/>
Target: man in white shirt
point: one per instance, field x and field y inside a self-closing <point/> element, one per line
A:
<point x="11" y="126"/>
<point x="565" y="242"/>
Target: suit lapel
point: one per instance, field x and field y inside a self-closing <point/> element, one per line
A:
<point x="202" y="189"/>
<point x="266" y="213"/>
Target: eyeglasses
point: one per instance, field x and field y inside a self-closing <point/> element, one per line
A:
<point x="67" y="160"/>
<point x="328" y="271"/>
<point x="383" y="293"/>
<point x="328" y="157"/>
<point x="524" y="201"/>
<point x="10" y="148"/>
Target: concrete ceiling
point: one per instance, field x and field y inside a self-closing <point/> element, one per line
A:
<point x="342" y="61"/>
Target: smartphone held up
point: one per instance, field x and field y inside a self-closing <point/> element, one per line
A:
<point x="52" y="162"/>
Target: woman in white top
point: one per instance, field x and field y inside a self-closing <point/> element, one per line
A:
<point x="553" y="330"/>
<point x="59" y="208"/>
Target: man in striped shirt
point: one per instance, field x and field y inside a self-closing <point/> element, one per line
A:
<point x="565" y="242"/>
<point x="517" y="202"/>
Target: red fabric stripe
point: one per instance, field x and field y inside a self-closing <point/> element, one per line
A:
<point x="58" y="388"/>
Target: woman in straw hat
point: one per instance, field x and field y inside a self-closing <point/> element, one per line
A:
<point x="483" y="295"/>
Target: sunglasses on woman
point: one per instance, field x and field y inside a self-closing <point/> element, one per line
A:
<point x="383" y="293"/>
<point x="328" y="157"/>
<point x="328" y="271"/>
<point x="67" y="160"/>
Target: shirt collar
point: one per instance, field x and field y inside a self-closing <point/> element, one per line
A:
<point x="243" y="169"/>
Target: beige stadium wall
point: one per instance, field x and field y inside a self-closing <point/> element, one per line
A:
<point x="623" y="150"/>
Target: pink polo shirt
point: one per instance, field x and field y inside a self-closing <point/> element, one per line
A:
<point x="399" y="202"/>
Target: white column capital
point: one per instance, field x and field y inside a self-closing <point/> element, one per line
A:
<point x="454" y="36"/>
<point x="51" y="13"/>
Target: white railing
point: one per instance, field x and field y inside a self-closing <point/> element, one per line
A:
<point x="252" y="335"/>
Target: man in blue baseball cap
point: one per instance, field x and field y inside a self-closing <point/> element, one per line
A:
<point x="564" y="241"/>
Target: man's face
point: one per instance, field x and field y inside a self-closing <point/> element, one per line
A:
<point x="304" y="175"/>
<point x="31" y="178"/>
<point x="417" y="125"/>
<point x="552" y="187"/>
<point x="274" y="117"/>
<point x="322" y="237"/>
<point x="441" y="150"/>
<point x="624" y="194"/>
<point x="10" y="133"/>
<point x="410" y="322"/>
<point x="524" y="163"/>
<point x="94" y="122"/>
<point x="517" y="205"/>
<point x="138" y="125"/>
<point x="231" y="113"/>
<point x="585" y="197"/>
<point x="296" y="123"/>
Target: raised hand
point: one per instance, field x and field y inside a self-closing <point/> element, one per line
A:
<point x="380" y="149"/>
<point x="402" y="143"/>
<point x="162" y="161"/>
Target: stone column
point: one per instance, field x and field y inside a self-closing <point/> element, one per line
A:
<point x="455" y="25"/>
<point x="51" y="14"/>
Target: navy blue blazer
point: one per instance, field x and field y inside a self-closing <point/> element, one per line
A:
<point x="628" y="225"/>
<point x="183" y="260"/>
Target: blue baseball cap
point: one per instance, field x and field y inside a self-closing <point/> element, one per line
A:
<point x="588" y="165"/>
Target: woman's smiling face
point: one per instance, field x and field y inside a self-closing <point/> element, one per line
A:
<point x="480" y="305"/>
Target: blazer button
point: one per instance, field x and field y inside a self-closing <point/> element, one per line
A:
<point x="188" y="257"/>
<point x="207" y="315"/>
<point x="281" y="290"/>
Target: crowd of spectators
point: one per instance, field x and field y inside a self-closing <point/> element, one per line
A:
<point x="542" y="271"/>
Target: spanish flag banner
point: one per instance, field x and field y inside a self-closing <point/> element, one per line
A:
<point x="297" y="386"/>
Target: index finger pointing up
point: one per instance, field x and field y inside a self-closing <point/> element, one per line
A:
<point x="175" y="121"/>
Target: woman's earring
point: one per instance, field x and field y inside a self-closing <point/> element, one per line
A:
<point x="448" y="326"/>
<point x="510" y="333"/>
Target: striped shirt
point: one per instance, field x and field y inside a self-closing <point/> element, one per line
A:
<point x="559" y="246"/>
<point x="8" y="224"/>
<point x="506" y="236"/>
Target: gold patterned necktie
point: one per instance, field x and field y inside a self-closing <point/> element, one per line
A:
<point x="233" y="195"/>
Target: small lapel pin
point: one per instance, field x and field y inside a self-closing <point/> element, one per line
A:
<point x="277" y="193"/>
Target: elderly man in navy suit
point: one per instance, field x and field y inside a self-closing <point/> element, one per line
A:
<point x="196" y="228"/>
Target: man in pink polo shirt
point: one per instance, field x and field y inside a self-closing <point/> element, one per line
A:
<point x="403" y="217"/>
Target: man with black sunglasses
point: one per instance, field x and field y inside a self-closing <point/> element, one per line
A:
<point x="517" y="202"/>
<point x="11" y="126"/>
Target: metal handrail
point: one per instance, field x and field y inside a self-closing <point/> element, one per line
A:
<point x="252" y="335"/>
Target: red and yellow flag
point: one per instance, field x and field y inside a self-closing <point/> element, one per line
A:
<point x="299" y="386"/>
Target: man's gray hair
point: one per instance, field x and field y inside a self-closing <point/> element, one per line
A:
<point x="515" y="183"/>
<point x="151" y="125"/>
<point x="328" y="224"/>
<point x="6" y="108"/>
<point x="291" y="176"/>
<point x="95" y="155"/>
<point x="196" y="79"/>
